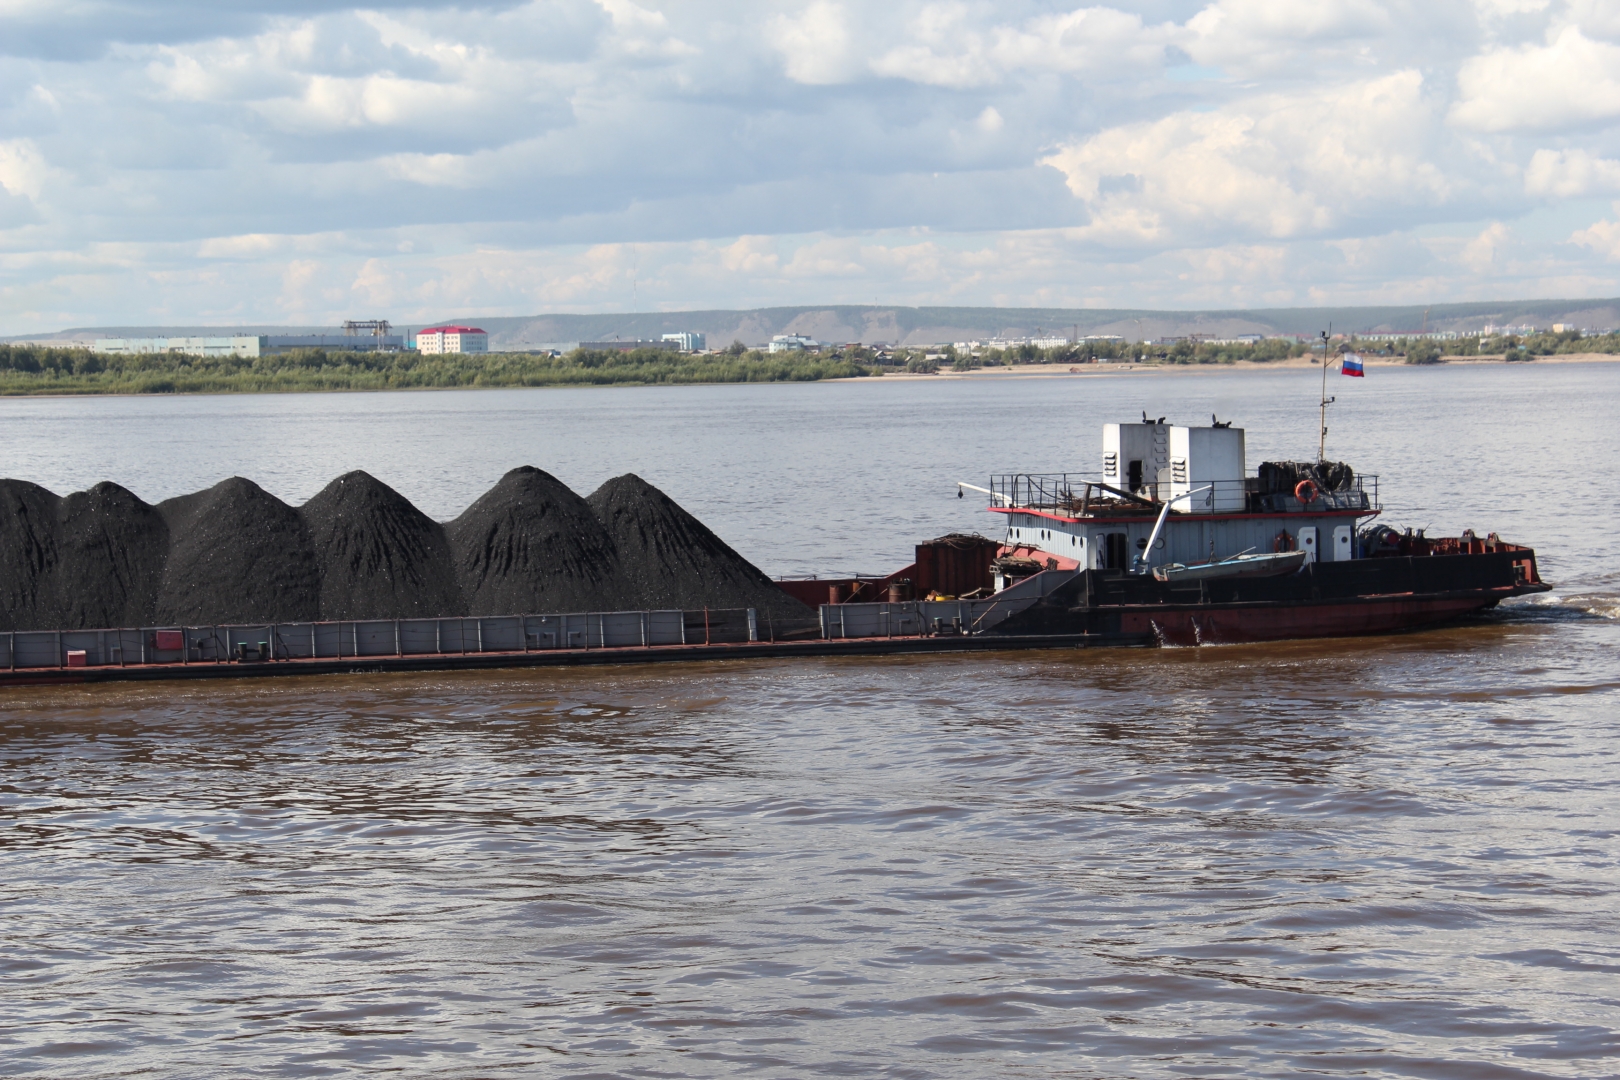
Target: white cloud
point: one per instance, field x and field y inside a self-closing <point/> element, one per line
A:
<point x="1501" y="8"/>
<point x="1480" y="254"/>
<point x="1596" y="18"/>
<point x="943" y="46"/>
<point x="815" y="44"/>
<point x="1262" y="167"/>
<point x="1566" y="83"/>
<point x="22" y="168"/>
<point x="1263" y="35"/>
<point x="1602" y="237"/>
<point x="1565" y="174"/>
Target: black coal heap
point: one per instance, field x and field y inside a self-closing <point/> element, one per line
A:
<point x="358" y="550"/>
<point x="378" y="557"/>
<point x="670" y="559"/>
<point x="94" y="558"/>
<point x="531" y="545"/>
<point x="237" y="554"/>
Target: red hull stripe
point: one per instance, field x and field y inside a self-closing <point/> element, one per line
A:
<point x="1235" y="625"/>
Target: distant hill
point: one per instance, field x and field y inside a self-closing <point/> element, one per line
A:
<point x="874" y="324"/>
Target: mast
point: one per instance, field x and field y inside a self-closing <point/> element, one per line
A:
<point x="1321" y="442"/>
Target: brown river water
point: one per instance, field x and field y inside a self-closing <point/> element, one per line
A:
<point x="1380" y="857"/>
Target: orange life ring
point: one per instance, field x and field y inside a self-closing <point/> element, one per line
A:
<point x="1284" y="542"/>
<point x="1306" y="491"/>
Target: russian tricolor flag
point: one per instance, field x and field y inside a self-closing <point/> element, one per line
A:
<point x="1351" y="365"/>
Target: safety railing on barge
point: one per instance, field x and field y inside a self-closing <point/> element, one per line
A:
<point x="374" y="638"/>
<point x="1083" y="494"/>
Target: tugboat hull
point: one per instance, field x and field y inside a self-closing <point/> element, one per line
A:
<point x="1366" y="596"/>
<point x="1236" y="624"/>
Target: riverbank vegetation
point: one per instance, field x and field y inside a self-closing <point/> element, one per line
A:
<point x="26" y="369"/>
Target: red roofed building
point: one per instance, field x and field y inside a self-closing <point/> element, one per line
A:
<point x="459" y="339"/>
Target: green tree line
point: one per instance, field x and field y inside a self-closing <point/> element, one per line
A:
<point x="28" y="369"/>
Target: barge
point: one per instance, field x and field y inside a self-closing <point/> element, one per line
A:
<point x="1171" y="543"/>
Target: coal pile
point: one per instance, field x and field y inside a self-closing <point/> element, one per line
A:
<point x="111" y="550"/>
<point x="237" y="554"/>
<point x="359" y="550"/>
<point x="530" y="544"/>
<point x="670" y="559"/>
<point x="28" y="531"/>
<point x="377" y="556"/>
<point x="89" y="560"/>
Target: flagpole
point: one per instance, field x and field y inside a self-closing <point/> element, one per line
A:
<point x="1321" y="441"/>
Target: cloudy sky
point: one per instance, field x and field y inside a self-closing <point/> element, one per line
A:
<point x="225" y="161"/>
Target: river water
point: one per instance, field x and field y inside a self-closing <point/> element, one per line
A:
<point x="1391" y="856"/>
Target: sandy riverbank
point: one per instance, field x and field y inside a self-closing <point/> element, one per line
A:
<point x="1294" y="363"/>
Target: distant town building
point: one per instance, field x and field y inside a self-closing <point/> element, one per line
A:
<point x="1411" y="335"/>
<point x="688" y="341"/>
<point x="793" y="343"/>
<point x="631" y="345"/>
<point x="452" y="339"/>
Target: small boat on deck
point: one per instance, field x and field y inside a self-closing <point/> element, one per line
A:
<point x="1238" y="566"/>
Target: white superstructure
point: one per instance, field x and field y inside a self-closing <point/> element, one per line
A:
<point x="1215" y="509"/>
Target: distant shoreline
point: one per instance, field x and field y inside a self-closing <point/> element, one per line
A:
<point x="1297" y="363"/>
<point x="1056" y="370"/>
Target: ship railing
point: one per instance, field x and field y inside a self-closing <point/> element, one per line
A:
<point x="363" y="639"/>
<point x="1061" y="493"/>
<point x="1082" y="494"/>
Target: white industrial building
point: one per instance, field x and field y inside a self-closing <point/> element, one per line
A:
<point x="241" y="345"/>
<point x="452" y="339"/>
<point x="793" y="343"/>
<point x="688" y="341"/>
<point x="247" y="345"/>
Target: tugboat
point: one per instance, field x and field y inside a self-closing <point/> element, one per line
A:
<point x="1176" y="541"/>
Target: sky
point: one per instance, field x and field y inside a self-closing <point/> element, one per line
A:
<point x="236" y="161"/>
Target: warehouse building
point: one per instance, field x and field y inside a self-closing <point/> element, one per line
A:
<point x="241" y="345"/>
<point x="452" y="339"/>
<point x="370" y="343"/>
<point x="246" y="345"/>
